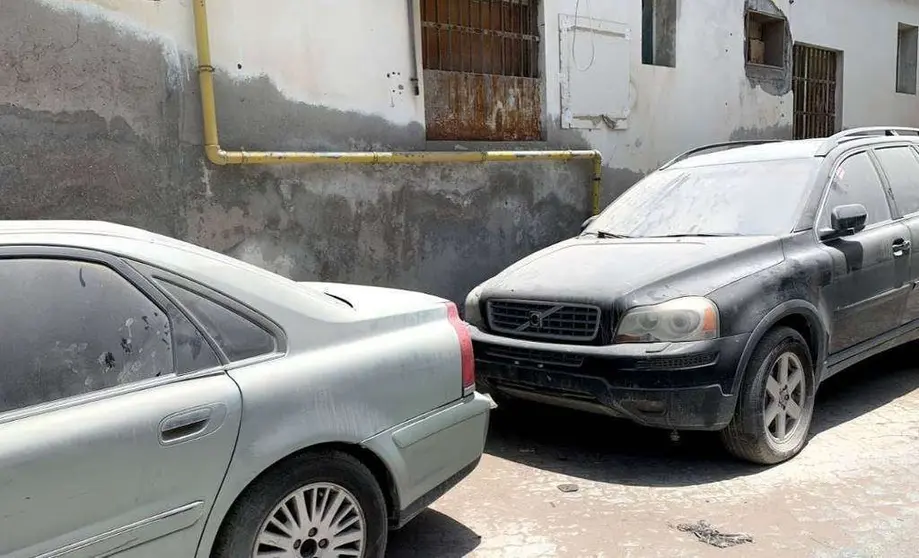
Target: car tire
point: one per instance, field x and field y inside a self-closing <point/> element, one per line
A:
<point x="270" y="505"/>
<point x="774" y="408"/>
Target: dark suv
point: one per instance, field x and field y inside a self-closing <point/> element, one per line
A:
<point x="719" y="291"/>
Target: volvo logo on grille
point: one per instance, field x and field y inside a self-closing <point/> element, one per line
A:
<point x="535" y="319"/>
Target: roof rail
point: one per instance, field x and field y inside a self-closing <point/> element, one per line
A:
<point x="855" y="133"/>
<point x="713" y="146"/>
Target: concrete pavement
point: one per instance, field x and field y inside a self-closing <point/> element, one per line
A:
<point x="853" y="492"/>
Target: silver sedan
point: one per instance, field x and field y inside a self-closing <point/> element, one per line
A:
<point x="158" y="399"/>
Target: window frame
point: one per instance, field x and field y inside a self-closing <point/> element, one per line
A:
<point x="773" y="19"/>
<point x="156" y="274"/>
<point x="651" y="9"/>
<point x="539" y="71"/>
<point x="134" y="279"/>
<point x="882" y="178"/>
<point x="912" y="147"/>
<point x="904" y="29"/>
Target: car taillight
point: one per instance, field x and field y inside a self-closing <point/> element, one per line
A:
<point x="468" y="358"/>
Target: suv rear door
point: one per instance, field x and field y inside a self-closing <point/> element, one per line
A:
<point x="900" y="164"/>
<point x="870" y="283"/>
<point x="117" y="420"/>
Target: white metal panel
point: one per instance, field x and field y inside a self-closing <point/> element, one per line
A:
<point x="595" y="64"/>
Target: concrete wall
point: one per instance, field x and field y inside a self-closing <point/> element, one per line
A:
<point x="867" y="37"/>
<point x="706" y="98"/>
<point x="99" y="118"/>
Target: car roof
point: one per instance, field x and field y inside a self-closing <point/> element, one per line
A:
<point x="273" y="295"/>
<point x="77" y="227"/>
<point x="99" y="234"/>
<point x="780" y="150"/>
<point x="746" y="151"/>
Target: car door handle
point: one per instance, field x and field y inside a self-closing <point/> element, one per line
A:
<point x="184" y="425"/>
<point x="901" y="247"/>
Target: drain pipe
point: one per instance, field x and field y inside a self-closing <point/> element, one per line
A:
<point x="413" y="48"/>
<point x="219" y="156"/>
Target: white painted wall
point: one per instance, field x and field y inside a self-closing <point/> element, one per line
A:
<point x="335" y="53"/>
<point x="338" y="53"/>
<point x="866" y="33"/>
<point x="705" y="98"/>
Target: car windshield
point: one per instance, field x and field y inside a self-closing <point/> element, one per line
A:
<point x="734" y="199"/>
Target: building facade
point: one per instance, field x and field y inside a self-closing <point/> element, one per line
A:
<point x="100" y="114"/>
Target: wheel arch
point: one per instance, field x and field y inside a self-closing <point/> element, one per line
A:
<point x="366" y="456"/>
<point x="800" y="315"/>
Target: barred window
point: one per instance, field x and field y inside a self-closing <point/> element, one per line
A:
<point x="481" y="70"/>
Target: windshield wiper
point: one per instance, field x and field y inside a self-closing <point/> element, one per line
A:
<point x="689" y="235"/>
<point x="607" y="234"/>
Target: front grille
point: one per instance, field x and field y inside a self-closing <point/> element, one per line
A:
<point x="544" y="320"/>
<point x="528" y="356"/>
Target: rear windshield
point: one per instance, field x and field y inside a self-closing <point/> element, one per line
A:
<point x="735" y="199"/>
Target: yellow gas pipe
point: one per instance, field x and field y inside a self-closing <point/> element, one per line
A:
<point x="220" y="157"/>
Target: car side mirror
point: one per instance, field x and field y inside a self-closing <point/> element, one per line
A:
<point x="846" y="220"/>
<point x="588" y="222"/>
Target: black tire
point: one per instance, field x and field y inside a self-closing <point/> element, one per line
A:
<point x="241" y="527"/>
<point x="747" y="436"/>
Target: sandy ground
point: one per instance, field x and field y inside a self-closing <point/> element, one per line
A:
<point x="853" y="492"/>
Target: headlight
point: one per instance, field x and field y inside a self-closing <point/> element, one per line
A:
<point x="682" y="319"/>
<point x="472" y="312"/>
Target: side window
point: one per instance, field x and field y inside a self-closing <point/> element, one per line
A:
<point x="70" y="327"/>
<point x="238" y="336"/>
<point x="902" y="169"/>
<point x="857" y="181"/>
<point x="192" y="351"/>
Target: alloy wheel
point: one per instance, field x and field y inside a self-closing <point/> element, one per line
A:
<point x="784" y="397"/>
<point x="320" y="520"/>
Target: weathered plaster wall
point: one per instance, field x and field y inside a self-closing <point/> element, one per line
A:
<point x="99" y="118"/>
<point x="867" y="38"/>
<point x="705" y="98"/>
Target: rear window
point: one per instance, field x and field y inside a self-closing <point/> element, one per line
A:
<point x="735" y="199"/>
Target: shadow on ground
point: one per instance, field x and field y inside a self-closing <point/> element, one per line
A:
<point x="612" y="451"/>
<point x="432" y="534"/>
<point x="866" y="387"/>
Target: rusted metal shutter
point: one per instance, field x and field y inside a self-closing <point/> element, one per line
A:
<point x="481" y="70"/>
<point x="815" y="76"/>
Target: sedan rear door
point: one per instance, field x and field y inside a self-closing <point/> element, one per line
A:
<point x="117" y="421"/>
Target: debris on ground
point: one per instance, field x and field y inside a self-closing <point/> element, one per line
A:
<point x="568" y="487"/>
<point x="711" y="536"/>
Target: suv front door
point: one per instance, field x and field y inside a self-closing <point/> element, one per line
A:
<point x="117" y="420"/>
<point x="870" y="282"/>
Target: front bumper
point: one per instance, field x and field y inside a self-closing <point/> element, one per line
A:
<point x="680" y="386"/>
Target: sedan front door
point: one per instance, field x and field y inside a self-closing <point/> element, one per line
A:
<point x="117" y="422"/>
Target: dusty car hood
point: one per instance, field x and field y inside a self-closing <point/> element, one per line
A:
<point x="643" y="270"/>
